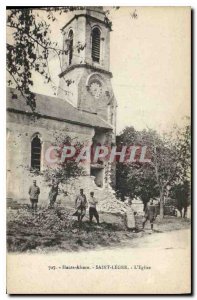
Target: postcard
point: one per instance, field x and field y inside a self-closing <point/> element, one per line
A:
<point x="98" y="159"/>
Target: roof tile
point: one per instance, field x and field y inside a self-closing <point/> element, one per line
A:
<point x="53" y="107"/>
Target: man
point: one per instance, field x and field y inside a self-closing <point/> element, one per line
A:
<point x="80" y="204"/>
<point x="92" y="208"/>
<point x="150" y="213"/>
<point x="34" y="192"/>
<point x="53" y="193"/>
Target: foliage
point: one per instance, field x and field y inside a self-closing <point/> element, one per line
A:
<point x="136" y="179"/>
<point x="170" y="163"/>
<point x="31" y="46"/>
<point x="68" y="169"/>
<point x="171" y="159"/>
<point x="181" y="193"/>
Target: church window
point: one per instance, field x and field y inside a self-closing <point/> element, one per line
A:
<point x="96" y="41"/>
<point x="36" y="153"/>
<point x="70" y="47"/>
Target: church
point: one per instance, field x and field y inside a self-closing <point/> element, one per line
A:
<point x="85" y="109"/>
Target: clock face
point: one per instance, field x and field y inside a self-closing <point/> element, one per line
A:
<point x="96" y="89"/>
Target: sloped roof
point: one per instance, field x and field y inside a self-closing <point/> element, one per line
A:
<point x="54" y="108"/>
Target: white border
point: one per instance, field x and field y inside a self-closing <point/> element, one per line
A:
<point x="192" y="3"/>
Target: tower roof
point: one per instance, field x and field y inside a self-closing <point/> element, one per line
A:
<point x="95" y="8"/>
<point x="95" y="12"/>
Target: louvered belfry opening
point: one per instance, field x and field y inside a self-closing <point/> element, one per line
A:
<point x="70" y="50"/>
<point x="36" y="153"/>
<point x="96" y="38"/>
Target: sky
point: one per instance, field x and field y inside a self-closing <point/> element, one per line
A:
<point x="150" y="62"/>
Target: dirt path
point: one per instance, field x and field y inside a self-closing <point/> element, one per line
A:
<point x="153" y="263"/>
<point x="178" y="239"/>
<point x="54" y="230"/>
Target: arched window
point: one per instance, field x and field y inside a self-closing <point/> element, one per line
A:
<point x="70" y="47"/>
<point x="36" y="153"/>
<point x="96" y="41"/>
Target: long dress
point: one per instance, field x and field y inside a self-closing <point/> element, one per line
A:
<point x="130" y="218"/>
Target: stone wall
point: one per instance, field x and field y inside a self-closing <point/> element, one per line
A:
<point x="79" y="95"/>
<point x="82" y="33"/>
<point x="20" y="131"/>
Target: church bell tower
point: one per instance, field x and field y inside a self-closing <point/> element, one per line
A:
<point x="85" y="78"/>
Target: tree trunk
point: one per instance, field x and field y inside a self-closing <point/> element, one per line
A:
<point x="161" y="204"/>
<point x="184" y="212"/>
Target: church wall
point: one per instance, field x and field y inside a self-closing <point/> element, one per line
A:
<point x="19" y="134"/>
<point x="70" y="93"/>
<point x="77" y="26"/>
<point x="21" y="128"/>
<point x="82" y="30"/>
<point x="79" y="95"/>
<point x="88" y="102"/>
<point x="105" y="49"/>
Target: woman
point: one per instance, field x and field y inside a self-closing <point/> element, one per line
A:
<point x="130" y="216"/>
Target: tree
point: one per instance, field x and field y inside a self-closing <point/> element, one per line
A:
<point x="30" y="46"/>
<point x="135" y="179"/>
<point x="67" y="170"/>
<point x="170" y="163"/>
<point x="181" y="193"/>
<point x="171" y="154"/>
<point x="147" y="187"/>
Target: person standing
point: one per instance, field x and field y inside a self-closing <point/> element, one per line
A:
<point x="130" y="216"/>
<point x="53" y="193"/>
<point x="34" y="192"/>
<point x="92" y="208"/>
<point x="80" y="205"/>
<point x="150" y="214"/>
